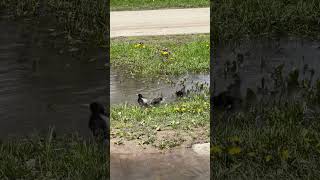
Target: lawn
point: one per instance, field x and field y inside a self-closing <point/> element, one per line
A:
<point x="162" y="56"/>
<point x="116" y="5"/>
<point x="233" y="20"/>
<point x="84" y="19"/>
<point x="51" y="157"/>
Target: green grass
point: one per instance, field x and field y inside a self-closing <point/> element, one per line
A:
<point x="188" y="54"/>
<point x="233" y="20"/>
<point x="49" y="157"/>
<point x="187" y="117"/>
<point x="156" y="4"/>
<point x="275" y="140"/>
<point x="88" y="20"/>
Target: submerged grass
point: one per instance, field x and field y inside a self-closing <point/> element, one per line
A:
<point x="235" y="20"/>
<point x="161" y="56"/>
<point x="156" y="4"/>
<point x="88" y="20"/>
<point x="164" y="126"/>
<point x="40" y="157"/>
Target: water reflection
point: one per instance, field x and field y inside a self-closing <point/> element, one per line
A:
<point x="41" y="87"/>
<point x="293" y="53"/>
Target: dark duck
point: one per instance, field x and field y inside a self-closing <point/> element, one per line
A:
<point x="156" y="101"/>
<point x="181" y="92"/>
<point x="142" y="101"/>
<point x="99" y="121"/>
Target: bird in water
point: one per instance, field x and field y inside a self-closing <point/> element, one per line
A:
<point x="142" y="101"/>
<point x="99" y="122"/>
<point x="156" y="101"/>
<point x="181" y="92"/>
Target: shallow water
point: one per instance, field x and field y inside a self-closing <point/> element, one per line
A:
<point x="181" y="165"/>
<point x="124" y="89"/>
<point x="294" y="53"/>
<point x="40" y="87"/>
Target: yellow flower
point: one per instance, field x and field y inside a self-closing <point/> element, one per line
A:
<point x="164" y="53"/>
<point x="268" y="158"/>
<point x="234" y="150"/>
<point x="183" y="109"/>
<point x="216" y="149"/>
<point x="284" y="154"/>
<point x="137" y="45"/>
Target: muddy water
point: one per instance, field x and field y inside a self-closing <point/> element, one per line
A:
<point x="293" y="53"/>
<point x="180" y="165"/>
<point x="124" y="89"/>
<point x="42" y="84"/>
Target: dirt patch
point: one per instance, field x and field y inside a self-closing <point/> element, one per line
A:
<point x="166" y="140"/>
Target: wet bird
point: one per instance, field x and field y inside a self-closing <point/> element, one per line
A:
<point x="156" y="101"/>
<point x="142" y="101"/>
<point x="181" y="92"/>
<point x="99" y="122"/>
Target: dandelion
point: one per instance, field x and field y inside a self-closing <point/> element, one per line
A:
<point x="139" y="45"/>
<point x="215" y="149"/>
<point x="234" y="150"/>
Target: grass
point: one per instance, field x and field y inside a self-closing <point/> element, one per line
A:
<point x="165" y="126"/>
<point x="187" y="54"/>
<point x="233" y="20"/>
<point x="50" y="157"/>
<point x="88" y="20"/>
<point x="271" y="140"/>
<point x="116" y="5"/>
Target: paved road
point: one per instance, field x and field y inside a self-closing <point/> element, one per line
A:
<point x="160" y="22"/>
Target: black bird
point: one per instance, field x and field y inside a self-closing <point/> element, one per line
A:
<point x="181" y="92"/>
<point x="99" y="122"/>
<point x="225" y="101"/>
<point x="156" y="101"/>
<point x="142" y="101"/>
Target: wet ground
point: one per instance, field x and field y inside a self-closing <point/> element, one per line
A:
<point x="179" y="165"/>
<point x="293" y="53"/>
<point x="43" y="81"/>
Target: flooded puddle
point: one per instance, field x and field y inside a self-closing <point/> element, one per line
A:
<point x="260" y="59"/>
<point x="41" y="86"/>
<point x="125" y="89"/>
<point x="184" y="165"/>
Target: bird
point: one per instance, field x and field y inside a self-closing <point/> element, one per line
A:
<point x="181" y="92"/>
<point x="225" y="101"/>
<point x="99" y="122"/>
<point x="156" y="101"/>
<point x="142" y="101"/>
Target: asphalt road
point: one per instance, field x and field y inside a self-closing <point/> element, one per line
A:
<point x="160" y="22"/>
